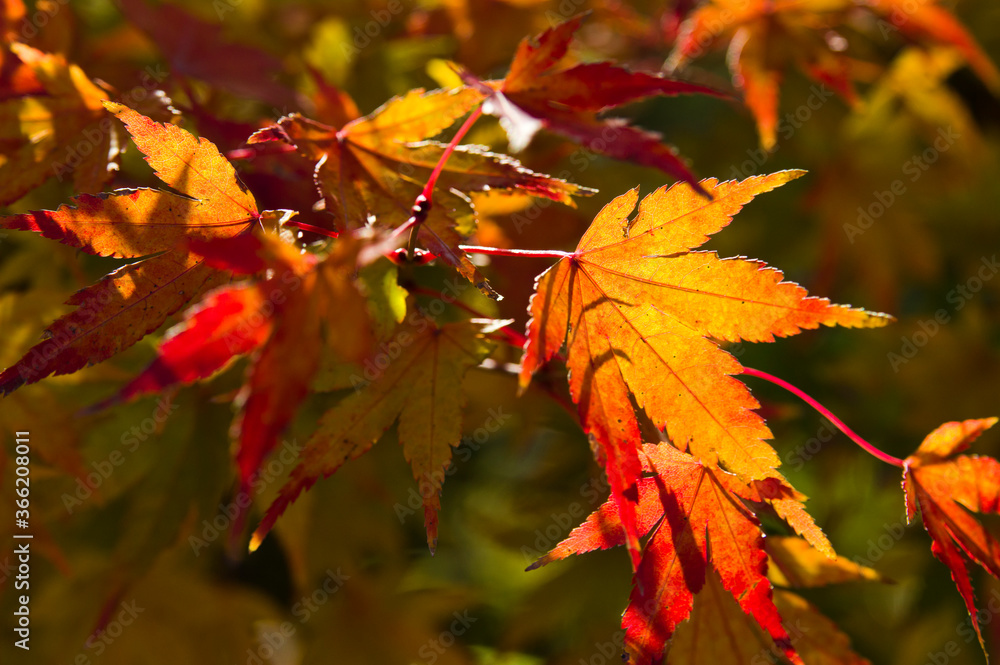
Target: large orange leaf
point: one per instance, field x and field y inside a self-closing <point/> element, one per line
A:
<point x="636" y="308"/>
<point x="422" y="388"/>
<point x="950" y="492"/>
<point x="132" y="224"/>
<point x="371" y="170"/>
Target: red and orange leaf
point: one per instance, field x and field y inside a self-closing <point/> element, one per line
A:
<point x="702" y="514"/>
<point x="422" y="388"/>
<point x="311" y="303"/>
<point x="719" y="632"/>
<point x="17" y="77"/>
<point x="635" y="307"/>
<point x="765" y="37"/>
<point x="372" y="169"/>
<point x="928" y="23"/>
<point x="53" y="125"/>
<point x="564" y="99"/>
<point x="701" y="524"/>
<point x="228" y="322"/>
<point x="137" y="298"/>
<point x="950" y="492"/>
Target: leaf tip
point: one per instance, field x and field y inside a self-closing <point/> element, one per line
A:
<point x="114" y="107"/>
<point x="255" y="540"/>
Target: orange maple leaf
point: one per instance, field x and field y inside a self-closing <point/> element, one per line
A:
<point x="949" y="492"/>
<point x="422" y="388"/>
<point x="371" y="170"/>
<point x="137" y="298"/>
<point x="635" y="308"/>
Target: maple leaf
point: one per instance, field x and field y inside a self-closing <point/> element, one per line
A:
<point x="305" y="304"/>
<point x="794" y="562"/>
<point x="699" y="523"/>
<point x="371" y="170"/>
<point x="635" y="306"/>
<point x="542" y="90"/>
<point x="422" y="387"/>
<point x="54" y="125"/>
<point x="765" y="36"/>
<point x="719" y="632"/>
<point x="926" y="22"/>
<point x="950" y="491"/>
<point x="137" y="298"/>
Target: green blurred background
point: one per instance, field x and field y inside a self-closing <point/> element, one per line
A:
<point x="347" y="568"/>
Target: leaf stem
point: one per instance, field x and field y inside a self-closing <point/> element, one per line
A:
<point x="459" y="135"/>
<point x="837" y="422"/>
<point x="499" y="251"/>
<point x="511" y="336"/>
<point x="422" y="204"/>
<point x="258" y="150"/>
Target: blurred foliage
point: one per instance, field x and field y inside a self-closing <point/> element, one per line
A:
<point x="130" y="506"/>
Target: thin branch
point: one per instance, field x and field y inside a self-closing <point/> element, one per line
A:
<point x="837" y="422"/>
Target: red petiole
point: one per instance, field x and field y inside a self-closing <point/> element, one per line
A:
<point x="837" y="422"/>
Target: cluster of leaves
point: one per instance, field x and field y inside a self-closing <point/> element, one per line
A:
<point x="637" y="313"/>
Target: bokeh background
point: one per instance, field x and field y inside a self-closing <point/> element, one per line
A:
<point x="347" y="568"/>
